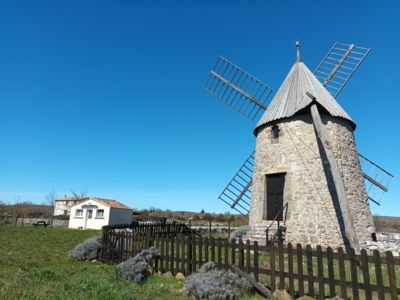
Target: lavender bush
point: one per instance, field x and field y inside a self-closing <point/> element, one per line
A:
<point x="239" y="232"/>
<point x="138" y="268"/>
<point x="213" y="284"/>
<point x="87" y="250"/>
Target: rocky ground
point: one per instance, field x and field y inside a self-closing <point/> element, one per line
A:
<point x="386" y="241"/>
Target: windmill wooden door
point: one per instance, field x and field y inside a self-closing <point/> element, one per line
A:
<point x="274" y="196"/>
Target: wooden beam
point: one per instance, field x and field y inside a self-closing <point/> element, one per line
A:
<point x="339" y="64"/>
<point x="261" y="289"/>
<point x="241" y="194"/>
<point x="373" y="181"/>
<point x="239" y="90"/>
<point x="337" y="178"/>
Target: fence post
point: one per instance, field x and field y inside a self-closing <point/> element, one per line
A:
<point x="392" y="275"/>
<point x="200" y="251"/>
<point x="272" y="263"/>
<point x="178" y="254"/>
<point x="310" y="275"/>
<point x="219" y="251"/>
<point x="290" y="266"/>
<point x="189" y="254"/>
<point x="248" y="263"/>
<point x="101" y="254"/>
<point x="123" y="244"/>
<point x="378" y="273"/>
<point x="365" y="269"/>
<point x="172" y="256"/>
<point x="193" y="243"/>
<point x="281" y="267"/>
<point x="111" y="247"/>
<point x="331" y="274"/>
<point x="162" y="257"/>
<point x="149" y="240"/>
<point x="241" y="255"/>
<point x="157" y="260"/>
<point x="299" y="254"/>
<point x="256" y="268"/>
<point x="342" y="274"/>
<point x="212" y="249"/>
<point x="354" y="278"/>
<point x="226" y="254"/>
<point x="320" y="269"/>
<point x="233" y="251"/>
<point x="206" y="256"/>
<point x="183" y="254"/>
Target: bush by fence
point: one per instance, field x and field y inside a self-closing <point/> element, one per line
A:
<point x="315" y="272"/>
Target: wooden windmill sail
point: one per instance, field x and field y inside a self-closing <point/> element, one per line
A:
<point x="249" y="96"/>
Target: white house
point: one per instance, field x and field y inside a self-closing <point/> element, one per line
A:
<point x="94" y="213"/>
<point x="63" y="206"/>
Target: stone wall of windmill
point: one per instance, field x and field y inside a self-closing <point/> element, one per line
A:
<point x="313" y="210"/>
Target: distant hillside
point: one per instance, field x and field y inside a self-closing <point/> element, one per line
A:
<point x="28" y="210"/>
<point x="387" y="224"/>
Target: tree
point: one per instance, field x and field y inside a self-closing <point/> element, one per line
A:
<point x="78" y="195"/>
<point x="20" y="210"/>
<point x="51" y="200"/>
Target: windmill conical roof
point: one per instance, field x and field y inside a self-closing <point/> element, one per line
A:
<point x="291" y="97"/>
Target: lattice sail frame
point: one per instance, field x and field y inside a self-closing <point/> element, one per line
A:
<point x="339" y="65"/>
<point x="237" y="88"/>
<point x="377" y="179"/>
<point x="237" y="193"/>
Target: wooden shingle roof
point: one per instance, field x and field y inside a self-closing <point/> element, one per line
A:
<point x="290" y="98"/>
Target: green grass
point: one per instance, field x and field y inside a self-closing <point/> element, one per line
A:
<point x="34" y="265"/>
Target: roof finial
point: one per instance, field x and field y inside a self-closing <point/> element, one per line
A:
<point x="298" y="58"/>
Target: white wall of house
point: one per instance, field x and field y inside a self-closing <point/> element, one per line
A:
<point x="63" y="207"/>
<point x="91" y="214"/>
<point x="87" y="215"/>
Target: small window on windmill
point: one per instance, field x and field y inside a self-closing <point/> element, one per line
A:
<point x="275" y="132"/>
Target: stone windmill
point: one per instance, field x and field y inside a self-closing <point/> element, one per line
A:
<point x="305" y="182"/>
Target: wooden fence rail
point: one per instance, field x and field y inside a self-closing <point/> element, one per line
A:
<point x="316" y="272"/>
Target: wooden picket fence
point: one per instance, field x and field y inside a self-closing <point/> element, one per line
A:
<point x="300" y="270"/>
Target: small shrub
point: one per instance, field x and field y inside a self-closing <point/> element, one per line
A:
<point x="138" y="268"/>
<point x="239" y="232"/>
<point x="208" y="266"/>
<point x="87" y="250"/>
<point x="213" y="284"/>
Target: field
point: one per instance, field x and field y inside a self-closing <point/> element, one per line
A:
<point x="386" y="223"/>
<point x="34" y="265"/>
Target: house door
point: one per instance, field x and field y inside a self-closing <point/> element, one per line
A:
<point x="89" y="215"/>
<point x="274" y="196"/>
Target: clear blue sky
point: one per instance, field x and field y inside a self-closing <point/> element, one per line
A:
<point x="107" y="96"/>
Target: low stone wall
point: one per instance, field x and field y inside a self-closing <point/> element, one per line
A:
<point x="30" y="221"/>
<point x="214" y="229"/>
<point x="386" y="241"/>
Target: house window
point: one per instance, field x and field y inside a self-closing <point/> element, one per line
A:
<point x="65" y="212"/>
<point x="89" y="213"/>
<point x="275" y="132"/>
<point x="100" y="214"/>
<point x="275" y="184"/>
<point x="79" y="213"/>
